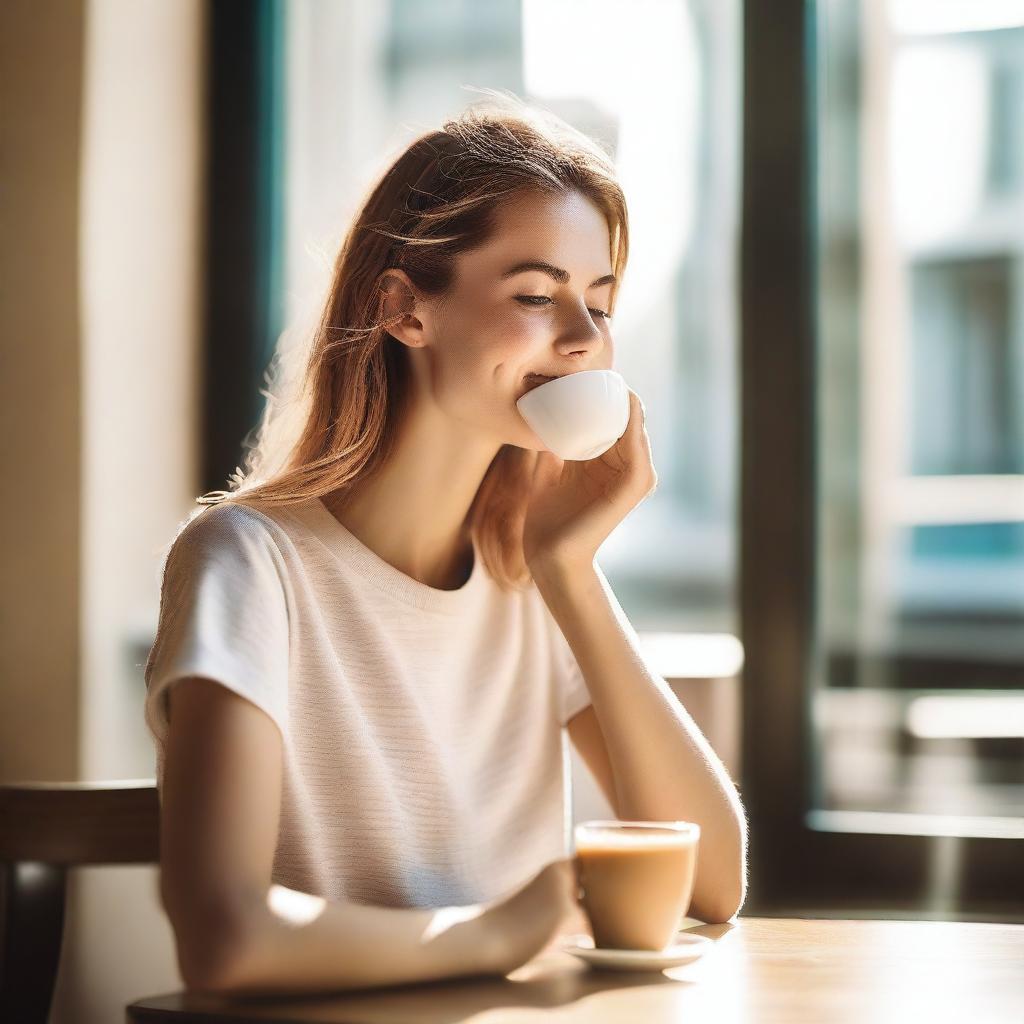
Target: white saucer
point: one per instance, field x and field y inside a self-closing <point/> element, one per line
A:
<point x="684" y="949"/>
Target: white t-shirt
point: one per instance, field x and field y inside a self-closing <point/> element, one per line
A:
<point x="425" y="762"/>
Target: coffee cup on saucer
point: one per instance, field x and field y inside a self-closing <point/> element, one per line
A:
<point x="578" y="416"/>
<point x="636" y="879"/>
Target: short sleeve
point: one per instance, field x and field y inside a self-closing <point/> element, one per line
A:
<point x="223" y="615"/>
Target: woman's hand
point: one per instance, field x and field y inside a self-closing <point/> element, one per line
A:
<point x="537" y="916"/>
<point x="575" y="505"/>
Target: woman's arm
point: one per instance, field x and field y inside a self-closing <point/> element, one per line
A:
<point x="305" y="943"/>
<point x="237" y="933"/>
<point x="663" y="766"/>
<point x="294" y="942"/>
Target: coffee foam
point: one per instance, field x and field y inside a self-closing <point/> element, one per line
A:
<point x="635" y="838"/>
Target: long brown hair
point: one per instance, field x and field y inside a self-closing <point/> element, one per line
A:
<point x="335" y="421"/>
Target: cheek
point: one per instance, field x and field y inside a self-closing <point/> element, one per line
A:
<point x="503" y="345"/>
<point x="521" y="340"/>
<point x="487" y="351"/>
<point x="518" y="342"/>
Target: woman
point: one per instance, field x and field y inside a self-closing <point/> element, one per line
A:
<point x="361" y="762"/>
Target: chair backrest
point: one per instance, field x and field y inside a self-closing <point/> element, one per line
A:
<point x="45" y="828"/>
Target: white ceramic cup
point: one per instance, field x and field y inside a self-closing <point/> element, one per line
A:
<point x="578" y="416"/>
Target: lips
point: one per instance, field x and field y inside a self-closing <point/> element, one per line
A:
<point x="531" y="381"/>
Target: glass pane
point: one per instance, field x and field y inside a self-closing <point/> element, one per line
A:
<point x="918" y="703"/>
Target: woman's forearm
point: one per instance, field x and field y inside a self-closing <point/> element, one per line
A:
<point x="301" y="943"/>
<point x="664" y="768"/>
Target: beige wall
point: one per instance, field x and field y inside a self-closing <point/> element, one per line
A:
<point x="40" y="403"/>
<point x="100" y="208"/>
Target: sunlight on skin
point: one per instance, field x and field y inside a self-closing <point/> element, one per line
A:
<point x="296" y="909"/>
<point x="293" y="907"/>
<point x="448" y="917"/>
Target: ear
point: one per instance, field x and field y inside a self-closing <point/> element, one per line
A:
<point x="399" y="302"/>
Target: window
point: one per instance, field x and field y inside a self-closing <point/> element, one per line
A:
<point x="883" y="575"/>
<point x="919" y="697"/>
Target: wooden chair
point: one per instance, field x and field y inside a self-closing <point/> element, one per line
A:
<point x="45" y="828"/>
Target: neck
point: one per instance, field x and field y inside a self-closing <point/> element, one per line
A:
<point x="413" y="511"/>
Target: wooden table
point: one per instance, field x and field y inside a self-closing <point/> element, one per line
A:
<point x="763" y="970"/>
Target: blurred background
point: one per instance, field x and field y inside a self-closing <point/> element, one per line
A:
<point x="824" y="313"/>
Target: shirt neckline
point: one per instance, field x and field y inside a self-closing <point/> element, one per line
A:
<point x="386" y="577"/>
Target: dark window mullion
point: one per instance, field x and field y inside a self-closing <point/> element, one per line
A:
<point x="243" y="251"/>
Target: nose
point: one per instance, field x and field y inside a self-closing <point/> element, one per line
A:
<point x="581" y="337"/>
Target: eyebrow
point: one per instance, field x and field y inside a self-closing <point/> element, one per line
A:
<point x="560" y="275"/>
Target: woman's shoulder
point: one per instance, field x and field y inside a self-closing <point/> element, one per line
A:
<point x="243" y="527"/>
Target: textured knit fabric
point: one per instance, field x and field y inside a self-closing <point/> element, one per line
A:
<point x="424" y="758"/>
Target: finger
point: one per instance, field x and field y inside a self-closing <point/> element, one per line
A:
<point x="641" y="412"/>
<point x="637" y="428"/>
<point x="637" y="413"/>
<point x="628" y="435"/>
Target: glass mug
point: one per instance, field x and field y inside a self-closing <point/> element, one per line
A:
<point x="636" y="880"/>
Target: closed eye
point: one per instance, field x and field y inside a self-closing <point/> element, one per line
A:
<point x="540" y="300"/>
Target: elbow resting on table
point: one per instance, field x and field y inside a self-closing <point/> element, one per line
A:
<point x="210" y="957"/>
<point x="718" y="912"/>
<point x="726" y="899"/>
<point x="209" y="975"/>
<point x="722" y="907"/>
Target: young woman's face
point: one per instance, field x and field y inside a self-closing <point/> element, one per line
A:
<point x="495" y="327"/>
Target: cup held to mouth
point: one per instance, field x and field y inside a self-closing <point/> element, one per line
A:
<point x="578" y="416"/>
